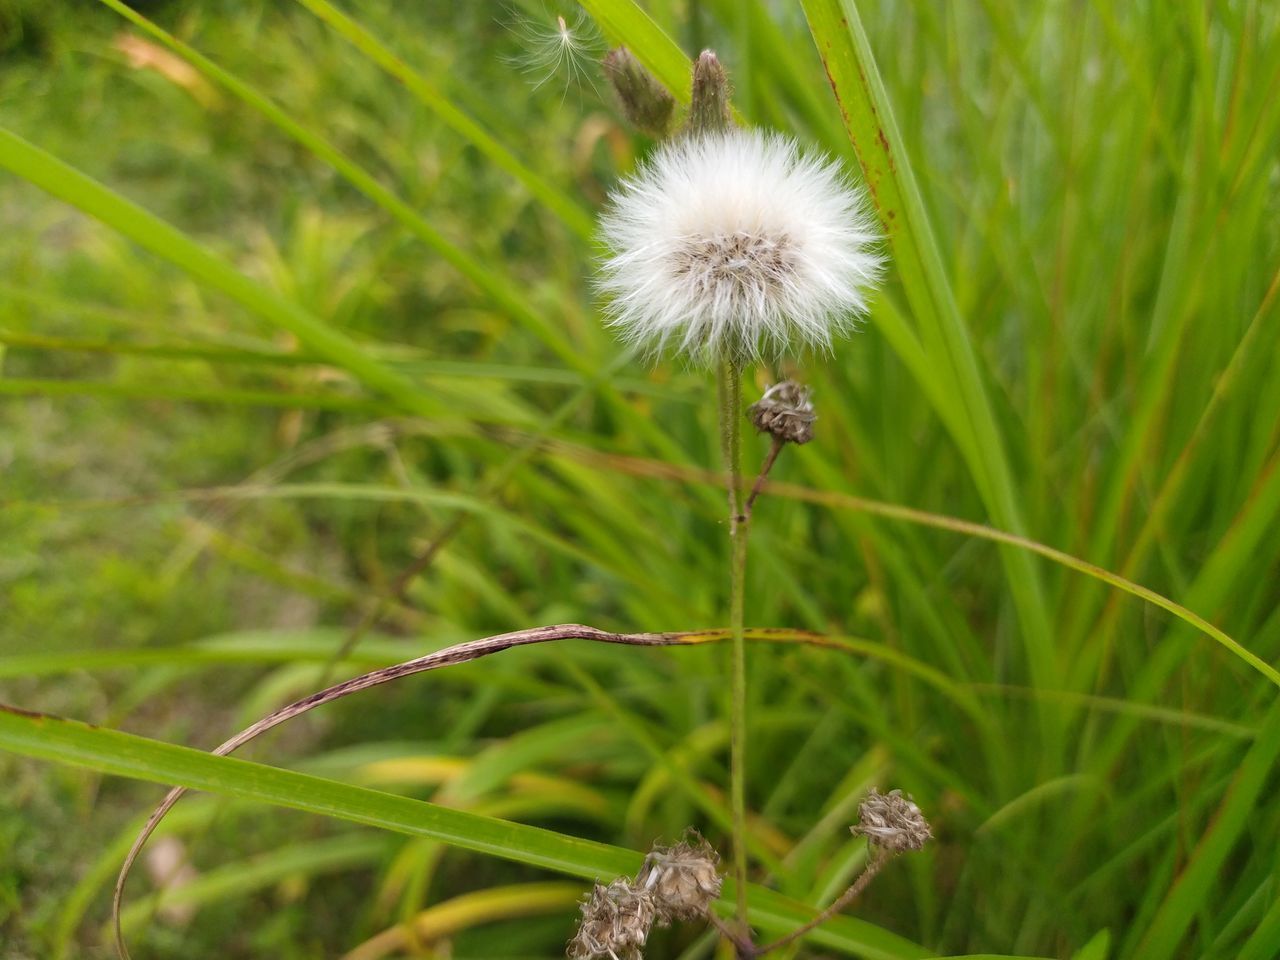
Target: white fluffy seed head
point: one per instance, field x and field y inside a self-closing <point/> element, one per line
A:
<point x="736" y="244"/>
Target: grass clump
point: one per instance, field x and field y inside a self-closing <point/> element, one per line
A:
<point x="203" y="503"/>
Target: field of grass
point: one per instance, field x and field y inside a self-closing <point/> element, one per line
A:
<point x="302" y="374"/>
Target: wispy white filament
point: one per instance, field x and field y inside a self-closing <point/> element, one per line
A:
<point x="556" y="47"/>
<point x="735" y="245"/>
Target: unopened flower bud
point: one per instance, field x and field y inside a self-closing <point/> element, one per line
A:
<point x="647" y="104"/>
<point x="892" y="822"/>
<point x="786" y="412"/>
<point x="682" y="879"/>
<point x="615" y="923"/>
<point x="709" y="99"/>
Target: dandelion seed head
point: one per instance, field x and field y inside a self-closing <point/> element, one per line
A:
<point x="737" y="244"/>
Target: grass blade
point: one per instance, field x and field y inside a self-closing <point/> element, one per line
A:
<point x="892" y="511"/>
<point x="23" y="387"/>
<point x="163" y="239"/>
<point x="625" y="23"/>
<point x="566" y="208"/>
<point x="120" y="754"/>
<point x="332" y="854"/>
<point x="859" y="91"/>
<point x="1192" y="889"/>
<point x="492" y="284"/>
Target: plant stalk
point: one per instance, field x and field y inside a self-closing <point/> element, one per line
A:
<point x="868" y="874"/>
<point x="731" y="445"/>
<point x="757" y="488"/>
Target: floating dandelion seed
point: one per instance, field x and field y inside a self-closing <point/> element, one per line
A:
<point x="734" y="244"/>
<point x="568" y="48"/>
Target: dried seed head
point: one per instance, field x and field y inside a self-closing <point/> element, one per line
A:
<point x="785" y="411"/>
<point x="646" y="102"/>
<point x="682" y="879"/>
<point x="615" y="923"/>
<point x="892" y="822"/>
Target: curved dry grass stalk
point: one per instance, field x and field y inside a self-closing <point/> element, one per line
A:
<point x="835" y="500"/>
<point x="449" y="656"/>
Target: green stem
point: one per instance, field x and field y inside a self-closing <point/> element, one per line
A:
<point x="738" y="759"/>
<point x="731" y="445"/>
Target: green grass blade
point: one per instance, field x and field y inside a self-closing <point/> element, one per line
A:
<point x="1240" y="547"/>
<point x="1262" y="942"/>
<point x="625" y="23"/>
<point x="1098" y="948"/>
<point x="151" y="233"/>
<point x="503" y="293"/>
<point x="569" y="210"/>
<point x="309" y="858"/>
<point x="1189" y="894"/>
<point x="868" y="115"/>
<point x="120" y="754"/>
<point x="158" y="350"/>
<point x="422" y="496"/>
<point x="23" y="387"/>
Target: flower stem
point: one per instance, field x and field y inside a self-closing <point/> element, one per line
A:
<point x="731" y="445"/>
<point x="758" y="487"/>
<point x="868" y="874"/>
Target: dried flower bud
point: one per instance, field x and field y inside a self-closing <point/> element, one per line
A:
<point x="615" y="923"/>
<point x="892" y="822"/>
<point x="682" y="879"/>
<point x="709" y="99"/>
<point x="647" y="104"/>
<point x="786" y="412"/>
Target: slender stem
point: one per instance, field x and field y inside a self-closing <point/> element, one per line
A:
<point x="729" y="384"/>
<point x="738" y="725"/>
<point x="743" y="944"/>
<point x="731" y="444"/>
<point x="878" y="860"/>
<point x="756" y="488"/>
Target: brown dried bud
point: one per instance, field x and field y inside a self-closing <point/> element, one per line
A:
<point x="646" y="103"/>
<point x="709" y="102"/>
<point x="615" y="923"/>
<point x="892" y="822"/>
<point x="786" y="412"/>
<point x="682" y="879"/>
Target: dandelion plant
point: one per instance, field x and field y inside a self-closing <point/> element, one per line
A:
<point x="728" y="245"/>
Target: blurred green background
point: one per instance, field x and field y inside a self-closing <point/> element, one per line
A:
<point x="200" y="518"/>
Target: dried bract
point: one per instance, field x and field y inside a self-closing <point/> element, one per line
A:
<point x="786" y="412"/>
<point x="892" y="822"/>
<point x="615" y="923"/>
<point x="682" y="879"/>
